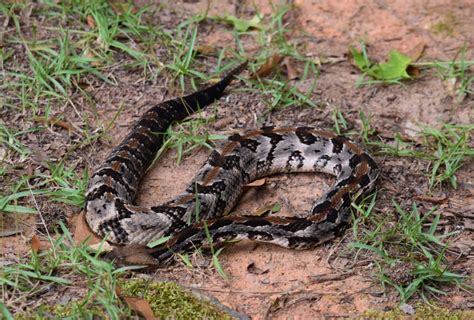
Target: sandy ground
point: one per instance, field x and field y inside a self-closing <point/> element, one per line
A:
<point x="265" y="281"/>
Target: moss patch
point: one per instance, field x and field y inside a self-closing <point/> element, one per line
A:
<point x="423" y="311"/>
<point x="168" y="300"/>
<point x="74" y="310"/>
<point x="445" y="27"/>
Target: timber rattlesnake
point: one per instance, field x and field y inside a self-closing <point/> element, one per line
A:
<point x="110" y="211"/>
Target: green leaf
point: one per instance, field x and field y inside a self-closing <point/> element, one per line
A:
<point x="361" y="62"/>
<point x="157" y="242"/>
<point x="276" y="208"/>
<point x="242" y="25"/>
<point x="395" y="68"/>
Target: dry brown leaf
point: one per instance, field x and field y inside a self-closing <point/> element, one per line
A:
<point x="55" y="122"/>
<point x="265" y="209"/>
<point x="35" y="244"/>
<point x="291" y="71"/>
<point x="141" y="306"/>
<point x="436" y="200"/>
<point x="253" y="269"/>
<point x="120" y="8"/>
<point x="413" y="71"/>
<point x="205" y="50"/>
<point x="132" y="254"/>
<point x="267" y="67"/>
<point x="91" y="22"/>
<point x="415" y="53"/>
<point x="82" y="231"/>
<point x="257" y="183"/>
<point x="89" y="54"/>
<point x="10" y="232"/>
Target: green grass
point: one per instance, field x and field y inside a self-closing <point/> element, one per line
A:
<point x="456" y="73"/>
<point x="11" y="145"/>
<point x="64" y="265"/>
<point x="406" y="240"/>
<point x="340" y="122"/>
<point x="50" y="64"/>
<point x="278" y="93"/>
<point x="187" y="136"/>
<point x="446" y="148"/>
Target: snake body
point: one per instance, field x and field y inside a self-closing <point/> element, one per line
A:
<point x="199" y="214"/>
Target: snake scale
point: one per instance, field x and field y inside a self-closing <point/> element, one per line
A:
<point x="199" y="214"/>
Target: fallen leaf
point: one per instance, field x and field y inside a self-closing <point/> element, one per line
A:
<point x="263" y="210"/>
<point x="394" y="69"/>
<point x="267" y="67"/>
<point x="241" y="25"/>
<point x="93" y="60"/>
<point x="9" y="232"/>
<point x="103" y="247"/>
<point x="91" y="22"/>
<point x="83" y="232"/>
<point x="407" y="309"/>
<point x="120" y="8"/>
<point x="436" y="200"/>
<point x="257" y="183"/>
<point x="415" y="53"/>
<point x="64" y="124"/>
<point x="276" y="207"/>
<point x="253" y="269"/>
<point x="141" y="306"/>
<point x="270" y="208"/>
<point x="288" y="300"/>
<point x="35" y="244"/>
<point x="413" y="71"/>
<point x="4" y="262"/>
<point x="205" y="50"/>
<point x="291" y="72"/>
<point x="132" y="254"/>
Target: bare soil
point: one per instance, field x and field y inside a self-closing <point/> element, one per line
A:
<point x="266" y="281"/>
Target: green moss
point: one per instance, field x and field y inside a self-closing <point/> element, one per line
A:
<point x="423" y="311"/>
<point x="445" y="27"/>
<point x="74" y="310"/>
<point x="168" y="300"/>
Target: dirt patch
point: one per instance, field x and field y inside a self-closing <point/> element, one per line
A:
<point x="266" y="281"/>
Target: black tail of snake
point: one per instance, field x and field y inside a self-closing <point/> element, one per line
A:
<point x="214" y="191"/>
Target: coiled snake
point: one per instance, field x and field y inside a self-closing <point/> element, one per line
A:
<point x="214" y="191"/>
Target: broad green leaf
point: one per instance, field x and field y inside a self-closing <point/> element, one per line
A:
<point x="394" y="68"/>
<point x="242" y="25"/>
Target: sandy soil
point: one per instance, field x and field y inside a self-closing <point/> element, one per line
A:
<point x="266" y="281"/>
